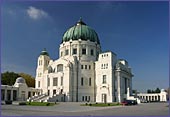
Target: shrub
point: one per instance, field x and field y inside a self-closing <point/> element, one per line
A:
<point x="40" y="104"/>
<point x="90" y="104"/>
<point x="22" y="103"/>
<point x="108" y="104"/>
<point x="86" y="104"/>
<point x="8" y="102"/>
<point x="47" y="104"/>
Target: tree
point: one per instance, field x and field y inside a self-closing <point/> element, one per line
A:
<point x="157" y="90"/>
<point x="134" y="91"/>
<point x="152" y="91"/>
<point x="29" y="79"/>
<point x="149" y="91"/>
<point x="8" y="78"/>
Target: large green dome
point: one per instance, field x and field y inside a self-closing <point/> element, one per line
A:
<point x="80" y="31"/>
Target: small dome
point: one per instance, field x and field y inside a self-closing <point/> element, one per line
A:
<point x="162" y="90"/>
<point x="20" y="80"/>
<point x="80" y="31"/>
<point x="44" y="52"/>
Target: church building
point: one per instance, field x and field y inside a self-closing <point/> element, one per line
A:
<point x="83" y="72"/>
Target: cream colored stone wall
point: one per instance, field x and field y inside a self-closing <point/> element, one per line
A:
<point x="162" y="96"/>
<point x="79" y="45"/>
<point x="105" y="66"/>
<point x="88" y="68"/>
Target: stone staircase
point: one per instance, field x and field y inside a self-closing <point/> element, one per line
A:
<point x="46" y="98"/>
<point x="38" y="98"/>
<point x="56" y="98"/>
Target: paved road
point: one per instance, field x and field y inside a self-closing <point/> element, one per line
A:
<point x="74" y="109"/>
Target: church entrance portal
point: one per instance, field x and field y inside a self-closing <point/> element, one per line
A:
<point x="104" y="98"/>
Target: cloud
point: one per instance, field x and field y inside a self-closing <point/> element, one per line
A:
<point x="35" y="13"/>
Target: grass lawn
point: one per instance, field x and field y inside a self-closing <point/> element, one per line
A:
<point x="100" y="104"/>
<point x="39" y="104"/>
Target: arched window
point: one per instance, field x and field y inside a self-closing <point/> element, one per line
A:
<point x="60" y="68"/>
<point x="50" y="69"/>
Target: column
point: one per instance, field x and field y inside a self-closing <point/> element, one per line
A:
<point x="155" y="98"/>
<point x="118" y="86"/>
<point x="5" y="94"/>
<point x="128" y="93"/>
<point x="70" y="51"/>
<point x="12" y="94"/>
<point x="162" y="98"/>
<point x="150" y="98"/>
<point x="68" y="98"/>
<point x="146" y="98"/>
<point x="159" y="98"/>
<point x="36" y="93"/>
<point x="87" y="50"/>
<point x="31" y="94"/>
<point x="130" y="85"/>
<point x="79" y="50"/>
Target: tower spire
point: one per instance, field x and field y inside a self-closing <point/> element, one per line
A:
<point x="80" y="22"/>
<point x="80" y="18"/>
<point x="44" y="49"/>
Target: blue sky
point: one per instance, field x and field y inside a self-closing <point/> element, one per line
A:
<point x="135" y="31"/>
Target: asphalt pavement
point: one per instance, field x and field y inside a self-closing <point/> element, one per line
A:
<point x="74" y="109"/>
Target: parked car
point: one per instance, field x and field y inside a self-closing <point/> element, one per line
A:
<point x="134" y="102"/>
<point x="124" y="103"/>
<point x="143" y="101"/>
<point x="129" y="102"/>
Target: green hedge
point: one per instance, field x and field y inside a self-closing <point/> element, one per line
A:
<point x="40" y="104"/>
<point x="22" y="103"/>
<point x="100" y="104"/>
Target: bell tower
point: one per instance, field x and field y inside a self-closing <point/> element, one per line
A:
<point x="42" y="66"/>
<point x="42" y="63"/>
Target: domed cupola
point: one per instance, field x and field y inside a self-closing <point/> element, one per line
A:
<point x="44" y="52"/>
<point x="20" y="80"/>
<point x="80" y="31"/>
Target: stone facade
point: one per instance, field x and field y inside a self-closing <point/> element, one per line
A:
<point x="19" y="91"/>
<point x="153" y="97"/>
<point x="113" y="77"/>
<point x="83" y="72"/>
